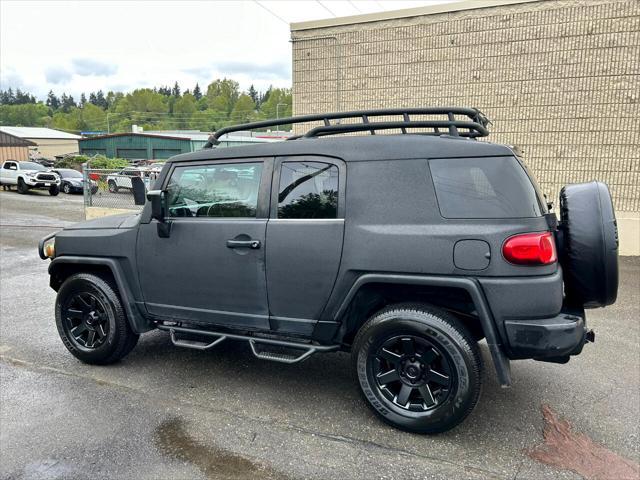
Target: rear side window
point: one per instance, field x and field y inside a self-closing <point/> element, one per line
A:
<point x="308" y="190"/>
<point x="496" y="187"/>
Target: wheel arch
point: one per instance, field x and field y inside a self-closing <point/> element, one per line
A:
<point x="62" y="267"/>
<point x="367" y="288"/>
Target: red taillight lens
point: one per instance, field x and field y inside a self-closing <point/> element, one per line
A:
<point x="530" y="249"/>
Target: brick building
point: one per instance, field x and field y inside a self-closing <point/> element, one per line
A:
<point x="558" y="78"/>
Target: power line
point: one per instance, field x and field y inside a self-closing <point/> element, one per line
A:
<point x="272" y="13"/>
<point x="326" y="8"/>
<point x="354" y="6"/>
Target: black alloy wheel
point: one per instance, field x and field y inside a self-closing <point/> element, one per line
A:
<point x="418" y="367"/>
<point x="91" y="319"/>
<point x="85" y="320"/>
<point x="412" y="373"/>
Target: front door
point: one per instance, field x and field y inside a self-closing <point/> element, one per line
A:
<point x="211" y="269"/>
<point x="304" y="239"/>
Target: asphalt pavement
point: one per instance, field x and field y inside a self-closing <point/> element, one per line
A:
<point x="165" y="412"/>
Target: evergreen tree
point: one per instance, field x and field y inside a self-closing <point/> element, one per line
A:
<point x="83" y="99"/>
<point x="101" y="101"/>
<point x="10" y="98"/>
<point x="52" y="101"/>
<point x="253" y="93"/>
<point x="197" y="93"/>
<point x="93" y="100"/>
<point x="176" y="90"/>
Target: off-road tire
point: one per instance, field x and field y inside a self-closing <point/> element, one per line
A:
<point x="22" y="187"/>
<point x="120" y="338"/>
<point x="113" y="187"/>
<point x="451" y="340"/>
<point x="54" y="190"/>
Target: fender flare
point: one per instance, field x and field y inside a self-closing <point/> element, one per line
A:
<point x="137" y="321"/>
<point x="470" y="285"/>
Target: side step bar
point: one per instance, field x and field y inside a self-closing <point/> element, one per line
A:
<point x="306" y="349"/>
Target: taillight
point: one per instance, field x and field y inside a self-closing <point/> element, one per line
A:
<point x="530" y="249"/>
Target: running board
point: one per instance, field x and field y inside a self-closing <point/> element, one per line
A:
<point x="306" y="349"/>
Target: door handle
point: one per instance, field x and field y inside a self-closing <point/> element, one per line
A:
<point x="252" y="244"/>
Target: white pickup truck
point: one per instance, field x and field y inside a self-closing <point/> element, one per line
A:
<point x="28" y="175"/>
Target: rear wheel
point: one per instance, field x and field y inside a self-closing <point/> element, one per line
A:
<point x="91" y="320"/>
<point x="66" y="188"/>
<point x="418" y="367"/>
<point x="22" y="187"/>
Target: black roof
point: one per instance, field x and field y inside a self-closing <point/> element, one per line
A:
<point x="358" y="148"/>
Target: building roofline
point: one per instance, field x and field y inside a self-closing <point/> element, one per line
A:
<point x="404" y="13"/>
<point x="126" y="134"/>
<point x="25" y="142"/>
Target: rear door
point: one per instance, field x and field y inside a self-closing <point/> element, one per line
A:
<point x="304" y="239"/>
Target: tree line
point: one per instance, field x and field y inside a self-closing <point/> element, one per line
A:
<point x="220" y="104"/>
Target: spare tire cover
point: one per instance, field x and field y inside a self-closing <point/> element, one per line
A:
<point x="589" y="246"/>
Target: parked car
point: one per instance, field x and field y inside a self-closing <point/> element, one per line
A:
<point x="71" y="181"/>
<point x="28" y="175"/>
<point x="405" y="250"/>
<point x="123" y="178"/>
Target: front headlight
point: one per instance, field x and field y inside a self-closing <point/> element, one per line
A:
<point x="31" y="174"/>
<point x="49" y="248"/>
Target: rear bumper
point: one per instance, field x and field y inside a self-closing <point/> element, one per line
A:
<point x="554" y="338"/>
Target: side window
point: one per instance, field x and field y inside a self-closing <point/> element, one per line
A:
<point x="220" y="190"/>
<point x="10" y="166"/>
<point x="308" y="190"/>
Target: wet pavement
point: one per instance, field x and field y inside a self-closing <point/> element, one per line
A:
<point x="165" y="412"/>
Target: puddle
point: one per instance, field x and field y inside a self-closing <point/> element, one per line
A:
<point x="567" y="450"/>
<point x="174" y="441"/>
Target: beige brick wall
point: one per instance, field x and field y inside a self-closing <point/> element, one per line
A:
<point x="558" y="78"/>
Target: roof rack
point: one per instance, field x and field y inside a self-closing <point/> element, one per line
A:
<point x="472" y="127"/>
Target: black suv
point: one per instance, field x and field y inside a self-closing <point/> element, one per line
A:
<point x="405" y="249"/>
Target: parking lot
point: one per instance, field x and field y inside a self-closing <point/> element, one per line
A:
<point x="166" y="412"/>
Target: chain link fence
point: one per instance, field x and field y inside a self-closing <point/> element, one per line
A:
<point x="115" y="191"/>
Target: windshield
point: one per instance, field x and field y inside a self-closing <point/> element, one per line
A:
<point x="31" y="166"/>
<point x="69" y="173"/>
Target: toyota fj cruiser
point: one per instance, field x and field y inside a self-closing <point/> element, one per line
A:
<point x="404" y="249"/>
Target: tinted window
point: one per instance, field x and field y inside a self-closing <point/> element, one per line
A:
<point x="69" y="173"/>
<point x="483" y="188"/>
<point x="308" y="190"/>
<point x="31" y="166"/>
<point x="229" y="190"/>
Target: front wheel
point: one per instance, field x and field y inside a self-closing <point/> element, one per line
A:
<point x="113" y="188"/>
<point x="418" y="367"/>
<point x="22" y="187"/>
<point x="54" y="190"/>
<point x="91" y="320"/>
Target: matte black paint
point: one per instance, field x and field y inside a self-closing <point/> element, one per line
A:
<point x="302" y="278"/>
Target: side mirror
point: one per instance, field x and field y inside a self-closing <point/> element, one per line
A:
<point x="159" y="211"/>
<point x="138" y="190"/>
<point x="157" y="199"/>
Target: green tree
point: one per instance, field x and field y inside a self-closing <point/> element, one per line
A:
<point x="278" y="103"/>
<point x="222" y="95"/>
<point x="244" y="109"/>
<point x="183" y="109"/>
<point x="142" y="107"/>
<point x="197" y="93"/>
<point x="26" y="115"/>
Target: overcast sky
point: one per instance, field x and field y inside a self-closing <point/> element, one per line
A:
<point x="83" y="46"/>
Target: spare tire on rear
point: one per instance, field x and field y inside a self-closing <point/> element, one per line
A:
<point x="589" y="244"/>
